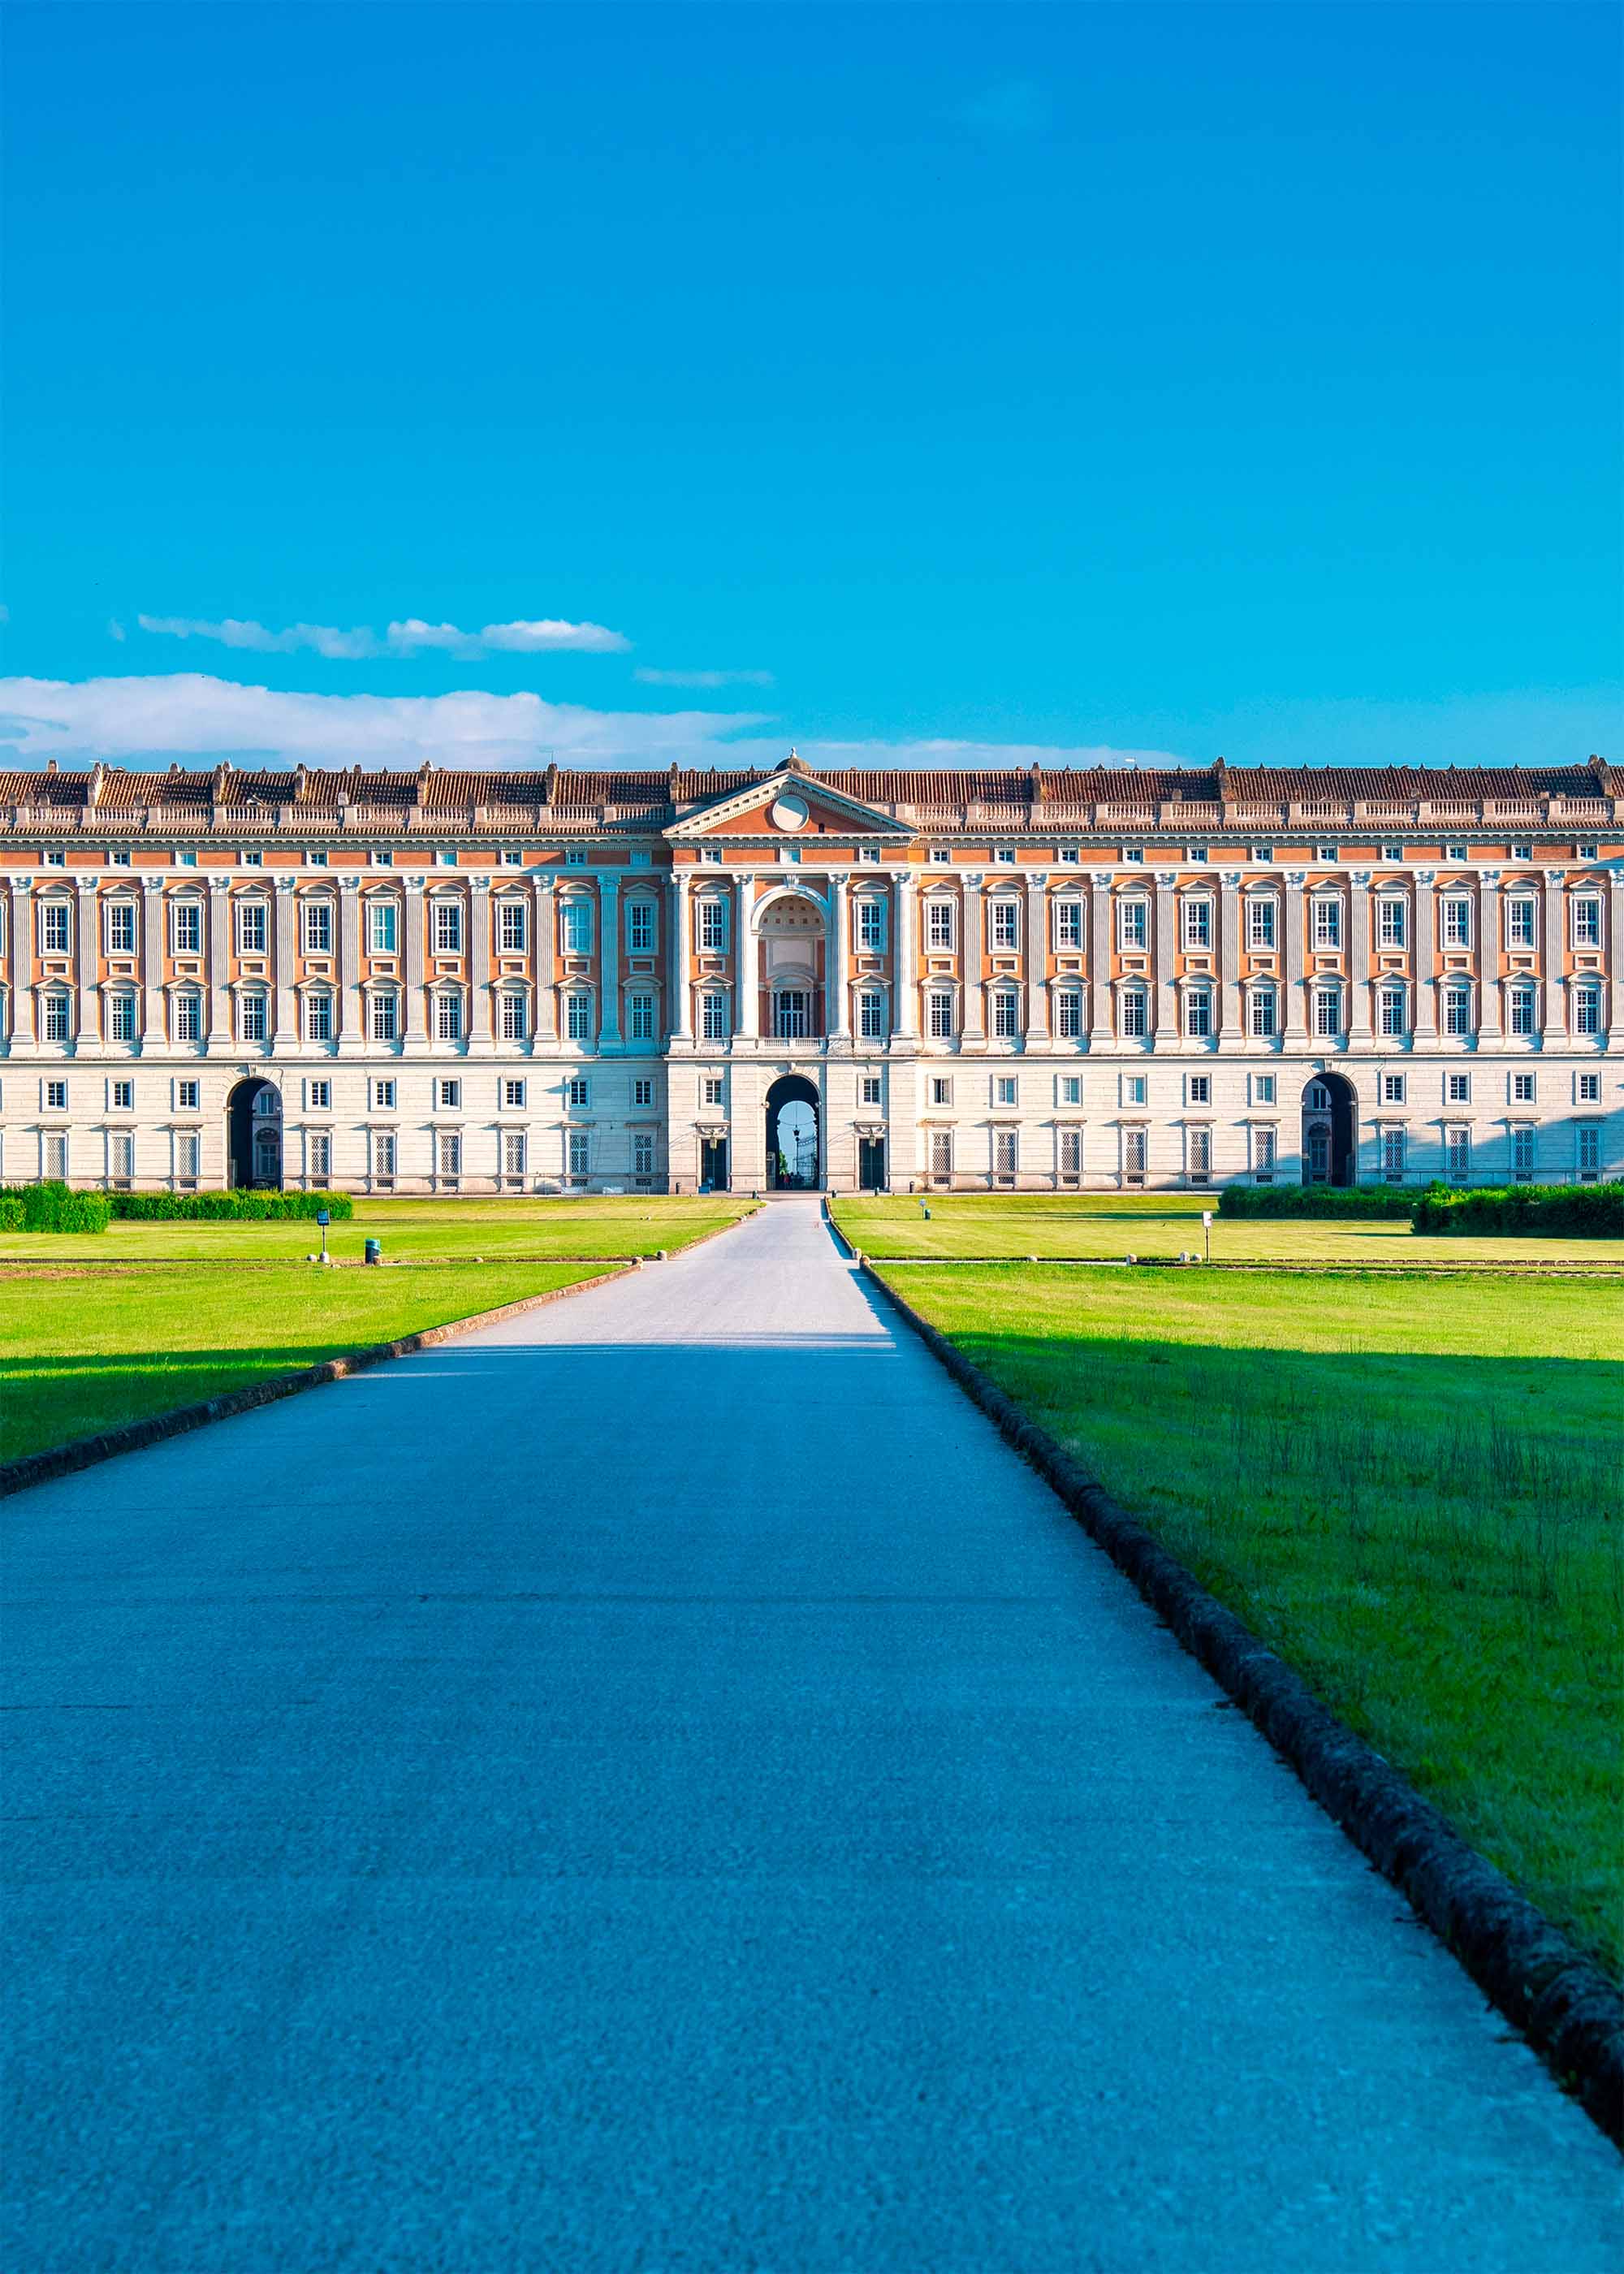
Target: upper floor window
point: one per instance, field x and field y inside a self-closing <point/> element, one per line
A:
<point x="186" y="1016"/>
<point x="119" y="857"/>
<point x="1068" y="1015"/>
<point x="790" y="1018"/>
<point x="318" y="927"/>
<point x="251" y="1017"/>
<point x="1327" y="1011"/>
<point x="386" y="1019"/>
<point x="1260" y="921"/>
<point x="941" y="856"/>
<point x="640" y="927"/>
<point x="871" y="1015"/>
<point x="1587" y="1009"/>
<point x="1587" y="851"/>
<point x="514" y="1022"/>
<point x="448" y="1018"/>
<point x="938" y="923"/>
<point x="1132" y="924"/>
<point x="1004" y="856"/>
<point x="1521" y="1011"/>
<point x="1455" y="852"/>
<point x="1327" y="921"/>
<point x="713" y="923"/>
<point x="511" y="927"/>
<point x="1457" y="1011"/>
<point x="1521" y="922"/>
<point x="1325" y="852"/>
<point x="1198" y="922"/>
<point x="939" y="1014"/>
<point x="319" y="1016"/>
<point x="55" y="927"/>
<point x="714" y="1018"/>
<point x="578" y="1017"/>
<point x="1392" y="851"/>
<point x="1390" y="1011"/>
<point x="575" y="925"/>
<point x="640" y="1013"/>
<point x="447" y="927"/>
<point x="1003" y="923"/>
<point x="574" y="856"/>
<point x="1455" y="914"/>
<point x="1390" y="928"/>
<point x="120" y="917"/>
<point x="1006" y="1023"/>
<point x="1068" y="924"/>
<point x="120" y="1027"/>
<point x="1198" y="1013"/>
<point x="871" y="925"/>
<point x="1586" y="919"/>
<point x="1135" y="1014"/>
<point x="250" y="927"/>
<point x="382" y="924"/>
<point x="185" y="928"/>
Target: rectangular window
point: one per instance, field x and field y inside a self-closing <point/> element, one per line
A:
<point x="1261" y="1013"/>
<point x="54" y="928"/>
<point x="186" y="928"/>
<point x="121" y="1096"/>
<point x="55" y="1094"/>
<point x="1327" y="1011"/>
<point x="120" y="927"/>
<point x="643" y="1091"/>
<point x="643" y="1154"/>
<point x="641" y="1011"/>
<point x="511" y="927"/>
<point x="869" y="855"/>
<point x="1457" y="1151"/>
<point x="1199" y="1014"/>
<point x="250" y="927"/>
<point x="1135" y="1015"/>
<point x="711" y="855"/>
<point x="1068" y="1014"/>
<point x="1133" y="1089"/>
<point x="383" y="924"/>
<point x="1325" y="853"/>
<point x="578" y="1152"/>
<point x="252" y="1016"/>
<point x="871" y="925"/>
<point x="1522" y="1151"/>
<point x="871" y="1017"/>
<point x="640" y="927"/>
<point x="513" y="1152"/>
<point x="575" y="857"/>
<point x="1588" y="1088"/>
<point x="1457" y="1088"/>
<point x="1004" y="1089"/>
<point x="1070" y="1152"/>
<point x="1263" y="1155"/>
<point x="1198" y="923"/>
<point x="512" y="1093"/>
<point x="1393" y="1089"/>
<point x="1068" y="924"/>
<point x="321" y="1155"/>
<point x="514" y="1021"/>
<point x="1456" y="915"/>
<point x="713" y="925"/>
<point x="1068" y="855"/>
<point x="55" y="1151"/>
<point x="940" y="1016"/>
<point x="1263" y="1089"/>
<point x="319" y="1018"/>
<point x="1260" y="924"/>
<point x="119" y="858"/>
<point x="448" y="1018"/>
<point x="1522" y="1089"/>
<point x="869" y="1089"/>
<point x="450" y="1152"/>
<point x="575" y="921"/>
<point x="1200" y="1144"/>
<point x="1389" y="921"/>
<point x="714" y="1018"/>
<point x="1003" y="917"/>
<point x="383" y="1152"/>
<point x="577" y="1092"/>
<point x="1003" y="1152"/>
<point x="1132" y="924"/>
<point x="187" y="1152"/>
<point x="789" y="1014"/>
<point x="940" y="1089"/>
<point x="1005" y="1015"/>
<point x="941" y="855"/>
<point x="511" y="857"/>
<point x="1071" y="1089"/>
<point x="1589" y="1151"/>
<point x="318" y="927"/>
<point x="1457" y="1011"/>
<point x="386" y="1018"/>
<point x="1522" y="919"/>
<point x="1393" y="1155"/>
<point x="1199" y="1090"/>
<point x="710" y="1090"/>
<point x="939" y="923"/>
<point x="1328" y="924"/>
<point x="316" y="860"/>
<point x="578" y="1017"/>
<point x="187" y="1095"/>
<point x="1004" y="856"/>
<point x="121" y="1018"/>
<point x="188" y="1017"/>
<point x="1133" y="1155"/>
<point x="383" y="1097"/>
<point x="321" y="1097"/>
<point x="1522" y="1011"/>
<point x="1455" y="853"/>
<point x="940" y="1152"/>
<point x="447" y="927"/>
<point x="121" y="1157"/>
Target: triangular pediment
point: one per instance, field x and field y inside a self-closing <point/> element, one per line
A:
<point x="791" y="804"/>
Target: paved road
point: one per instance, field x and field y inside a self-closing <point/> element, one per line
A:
<point x="660" y="1786"/>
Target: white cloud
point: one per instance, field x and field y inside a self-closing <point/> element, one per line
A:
<point x="547" y="635"/>
<point x="703" y="678"/>
<point x="972" y="756"/>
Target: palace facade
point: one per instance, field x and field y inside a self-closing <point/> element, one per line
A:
<point x="1028" y="981"/>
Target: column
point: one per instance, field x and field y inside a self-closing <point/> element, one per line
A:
<point x="747" y="974"/>
<point x="220" y="1037"/>
<point x="350" y="1004"/>
<point x="544" y="938"/>
<point x="1360" y="1033"/>
<point x="1167" y="1036"/>
<point x="151" y="964"/>
<point x="1615" y="960"/>
<point x="1422" y="956"/>
<point x="608" y="964"/>
<point x="1037" y="961"/>
<point x="1100" y="1028"/>
<point x="1555" y="1023"/>
<point x="22" y="964"/>
<point x="905" y="909"/>
<point x="87" y="946"/>
<point x="415" y="914"/>
<point x="973" y="1031"/>
<point x="1488" y="958"/>
<point x="287" y="1031"/>
<point x="837" y="1020"/>
<point x="1293" y="914"/>
<point x="1231" y="910"/>
<point x="682" y="959"/>
<point x="480" y="1041"/>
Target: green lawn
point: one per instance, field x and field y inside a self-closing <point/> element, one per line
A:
<point x="494" y="1230"/>
<point x="1113" y="1224"/>
<point x="87" y="1350"/>
<point x="1413" y="1490"/>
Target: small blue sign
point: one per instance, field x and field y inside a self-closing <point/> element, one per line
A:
<point x="323" y="1216"/>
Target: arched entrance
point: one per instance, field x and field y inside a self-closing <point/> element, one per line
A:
<point x="793" y="1145"/>
<point x="253" y="1124"/>
<point x="1330" y="1155"/>
<point x="790" y="925"/>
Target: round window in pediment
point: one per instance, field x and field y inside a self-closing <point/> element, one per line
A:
<point x="788" y="811"/>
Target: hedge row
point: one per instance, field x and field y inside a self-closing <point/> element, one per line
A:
<point x="53" y="1208"/>
<point x="229" y="1207"/>
<point x="1575" y="1211"/>
<point x="1315" y="1200"/>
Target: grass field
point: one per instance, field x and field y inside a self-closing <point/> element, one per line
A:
<point x="1414" y="1490"/>
<point x="1109" y="1225"/>
<point x="495" y="1229"/>
<point x="85" y="1351"/>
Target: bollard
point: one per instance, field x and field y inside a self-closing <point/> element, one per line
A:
<point x="374" y="1251"/>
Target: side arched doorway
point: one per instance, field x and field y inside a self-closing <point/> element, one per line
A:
<point x="794" y="1147"/>
<point x="1330" y="1124"/>
<point x="253" y="1132"/>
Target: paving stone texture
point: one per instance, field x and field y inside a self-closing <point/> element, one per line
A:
<point x="658" y="1784"/>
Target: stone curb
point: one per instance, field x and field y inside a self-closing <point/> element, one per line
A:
<point x="84" y="1452"/>
<point x="1561" y="2001"/>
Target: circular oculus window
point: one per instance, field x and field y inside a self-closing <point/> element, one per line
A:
<point x="788" y="811"/>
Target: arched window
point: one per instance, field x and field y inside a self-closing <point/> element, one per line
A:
<point x="1133" y="1013"/>
<point x="1390" y="1011"/>
<point x="1587" y="1008"/>
<point x="1522" y="1011"/>
<point x="1458" y="1009"/>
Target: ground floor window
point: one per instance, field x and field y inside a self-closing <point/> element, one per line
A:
<point x="1263" y="1155"/>
<point x="55" y="1153"/>
<point x="643" y="1155"/>
<point x="1070" y="1152"/>
<point x="577" y="1153"/>
<point x="450" y="1153"/>
<point x="1004" y="1152"/>
<point x="1457" y="1152"/>
<point x="1522" y="1151"/>
<point x="1200" y="1156"/>
<point x="122" y="1161"/>
<point x="383" y="1153"/>
<point x="940" y="1152"/>
<point x="321" y="1155"/>
<point x="1133" y="1155"/>
<point x="513" y="1152"/>
<point x="1393" y="1155"/>
<point x="1590" y="1149"/>
<point x="187" y="1151"/>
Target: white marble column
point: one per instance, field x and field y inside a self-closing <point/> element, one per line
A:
<point x="221" y="1040"/>
<point x="286" y="1028"/>
<point x="21" y="944"/>
<point x="1100" y="1032"/>
<point x="972" y="1026"/>
<point x="905" y="910"/>
<point x="1423" y="956"/>
<point x="1167" y="1036"/>
<point x="349" y="1004"/>
<point x="836" y="1018"/>
<point x="747" y="961"/>
<point x="88" y="946"/>
<point x="1232" y="914"/>
<point x="1037" y="962"/>
<point x="1294" y="915"/>
<point x="1554" y="947"/>
<point x="480" y="1039"/>
<point x="1488" y="958"/>
<point x="544" y="940"/>
<point x="414" y="918"/>
<point x="682" y="959"/>
<point x="608" y="964"/>
<point x="151" y="964"/>
<point x="1360" y="1033"/>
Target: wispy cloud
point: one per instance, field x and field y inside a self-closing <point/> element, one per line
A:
<point x="706" y="678"/>
<point x="1010" y="109"/>
<point x="545" y="635"/>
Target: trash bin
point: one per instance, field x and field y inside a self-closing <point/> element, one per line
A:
<point x="374" y="1251"/>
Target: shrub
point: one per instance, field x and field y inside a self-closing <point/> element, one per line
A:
<point x="54" y="1207"/>
<point x="11" y="1213"/>
<point x="229" y="1208"/>
<point x="1315" y="1200"/>
<point x="1508" y="1211"/>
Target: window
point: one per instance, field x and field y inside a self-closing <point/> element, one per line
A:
<point x="1135" y="1014"/>
<point x="445" y="860"/>
<point x="1457" y="1011"/>
<point x="318" y="927"/>
<point x="1522" y="852"/>
<point x="710" y="1090"/>
<point x="1390" y="913"/>
<point x="711" y="855"/>
<point x="449" y="1153"/>
<point x="643" y="1091"/>
<point x="121" y="927"/>
<point x="1198" y="1013"/>
<point x="1586" y="920"/>
<point x="319" y="1018"/>
<point x="1068" y="1014"/>
<point x="120" y="1017"/>
<point x="250" y="927"/>
<point x="1005" y="1091"/>
<point x="1328" y="924"/>
<point x="713" y="1024"/>
<point x="1393" y="1089"/>
<point x="640" y="1009"/>
<point x="939" y="923"/>
<point x="513" y="1095"/>
<point x="448" y="1018"/>
<point x="940" y="1152"/>
<point x="1200" y="1144"/>
<point x="386" y="1016"/>
<point x="1261" y="1013"/>
<point x="1522" y="1088"/>
<point x="1521" y="1011"/>
<point x="447" y="927"/>
<point x="1521" y="919"/>
<point x="790" y="1013"/>
<point x="121" y="1097"/>
<point x="939" y="1011"/>
<point x="1067" y="856"/>
<point x="383" y="1097"/>
<point x="1262" y="852"/>
<point x="1455" y="914"/>
<point x="1004" y="1152"/>
<point x="871" y="1017"/>
<point x="1587" y="851"/>
<point x="1135" y="853"/>
<point x="1263" y="1155"/>
<point x="1068" y="924"/>
<point x="1003" y="920"/>
<point x="511" y="857"/>
<point x="871" y="925"/>
<point x="1523" y="1152"/>
<point x="448" y="1094"/>
<point x="1392" y="1155"/>
<point x="383" y="1153"/>
<point x="1457" y="1154"/>
<point x="250" y="1014"/>
<point x="119" y="858"/>
<point x="185" y="928"/>
<point x="1263" y="1089"/>
<point x="1133" y="1155"/>
<point x="513" y="1152"/>
<point x="514" y="1022"/>
<point x="1005" y="1014"/>
<point x="713" y="924"/>
<point x="940" y="1089"/>
<point x="1327" y="1011"/>
<point x="511" y="927"/>
<point x="54" y="1094"/>
<point x="640" y="927"/>
<point x="187" y="1097"/>
<point x="1390" y="1011"/>
<point x="869" y="855"/>
<point x="316" y="860"/>
<point x="54" y="927"/>
<point x="1588" y="1088"/>
<point x="1004" y="856"/>
<point x="578" y="1017"/>
<point x="577" y="1093"/>
<point x="1587" y="1010"/>
<point x="1589" y="1151"/>
<point x="1134" y="1087"/>
<point x="1199" y="1090"/>
<point x="575" y="857"/>
<point x="383" y="924"/>
<point x="1457" y="1088"/>
<point x="56" y="1152"/>
<point x="1260" y="922"/>
<point x="868" y="1090"/>
<point x="321" y="1146"/>
<point x="577" y="1153"/>
<point x="1325" y="852"/>
<point x="942" y="856"/>
<point x="1132" y="924"/>
<point x="1198" y="922"/>
<point x="121" y="1157"/>
<point x="1455" y="853"/>
<point x="643" y="1155"/>
<point x="1070" y="1152"/>
<point x="1196" y="853"/>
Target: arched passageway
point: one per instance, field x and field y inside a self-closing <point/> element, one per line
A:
<point x="1330" y="1130"/>
<point x="253" y="1134"/>
<point x="794" y="1147"/>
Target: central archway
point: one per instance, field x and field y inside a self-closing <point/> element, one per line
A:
<point x="794" y="1145"/>
<point x="1330" y="1150"/>
<point x="253" y="1129"/>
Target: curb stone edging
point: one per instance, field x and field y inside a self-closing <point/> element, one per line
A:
<point x="1561" y="2000"/>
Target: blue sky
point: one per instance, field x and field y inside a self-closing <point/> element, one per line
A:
<point x="681" y="382"/>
